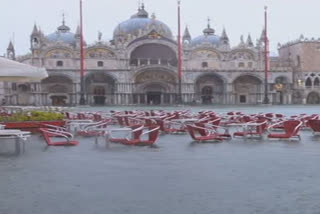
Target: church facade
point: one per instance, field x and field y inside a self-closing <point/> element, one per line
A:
<point x="140" y="66"/>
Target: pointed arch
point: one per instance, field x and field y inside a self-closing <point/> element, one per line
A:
<point x="308" y="82"/>
<point x="316" y="82"/>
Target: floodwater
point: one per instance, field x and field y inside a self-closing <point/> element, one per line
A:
<point x="178" y="176"/>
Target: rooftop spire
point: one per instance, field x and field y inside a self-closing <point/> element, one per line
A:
<point x="35" y="29"/>
<point x="224" y="35"/>
<point x="63" y="19"/>
<point x="249" y="42"/>
<point x="186" y="34"/>
<point x="208" y="30"/>
<point x="63" y="28"/>
<point x="10" y="46"/>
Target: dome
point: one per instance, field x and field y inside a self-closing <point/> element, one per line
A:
<point x="62" y="34"/>
<point x="140" y="22"/>
<point x="208" y="37"/>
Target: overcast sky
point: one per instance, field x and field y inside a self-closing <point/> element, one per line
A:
<point x="288" y="19"/>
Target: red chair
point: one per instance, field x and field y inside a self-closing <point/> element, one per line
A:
<point x="315" y="126"/>
<point x="291" y="129"/>
<point x="200" y="133"/>
<point x="49" y="133"/>
<point x="135" y="135"/>
<point x="253" y="129"/>
<point x="94" y="129"/>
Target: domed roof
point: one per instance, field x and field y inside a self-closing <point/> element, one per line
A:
<point x="208" y="37"/>
<point x="62" y="34"/>
<point x="140" y="22"/>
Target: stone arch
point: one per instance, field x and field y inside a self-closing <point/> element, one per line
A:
<point x="206" y="53"/>
<point x="242" y="54"/>
<point x="210" y="88"/>
<point x="59" y="53"/>
<point x="100" y="88"/>
<point x="313" y="98"/>
<point x="155" y="87"/>
<point x="58" y="87"/>
<point x="247" y="89"/>
<point x="153" y="54"/>
<point x="99" y="53"/>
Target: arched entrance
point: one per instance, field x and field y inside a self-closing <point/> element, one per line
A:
<point x="58" y="89"/>
<point x="155" y="87"/>
<point x="247" y="89"/>
<point x="100" y="88"/>
<point x="313" y="98"/>
<point x="209" y="89"/>
<point x="99" y="95"/>
<point x="207" y="95"/>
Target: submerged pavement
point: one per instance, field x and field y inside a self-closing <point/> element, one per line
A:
<point x="176" y="176"/>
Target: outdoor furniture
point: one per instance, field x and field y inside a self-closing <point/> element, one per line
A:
<point x="19" y="136"/>
<point x="252" y="129"/>
<point x="315" y="126"/>
<point x="201" y="133"/>
<point x="53" y="133"/>
<point x="134" y="135"/>
<point x="291" y="130"/>
<point x="93" y="129"/>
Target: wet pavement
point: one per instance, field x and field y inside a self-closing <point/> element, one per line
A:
<point x="177" y="176"/>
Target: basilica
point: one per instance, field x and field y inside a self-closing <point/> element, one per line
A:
<point x="139" y="66"/>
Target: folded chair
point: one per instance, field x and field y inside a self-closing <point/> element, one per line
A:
<point x="291" y="130"/>
<point x="52" y="133"/>
<point x="315" y="126"/>
<point x="136" y="135"/>
<point x="253" y="129"/>
<point x="200" y="133"/>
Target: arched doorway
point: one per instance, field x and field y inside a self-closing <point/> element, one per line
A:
<point x="99" y="95"/>
<point x="209" y="89"/>
<point x="154" y="92"/>
<point x="247" y="89"/>
<point x="155" y="87"/>
<point x="100" y="88"/>
<point x="313" y="98"/>
<point x="207" y="95"/>
<point x="58" y="89"/>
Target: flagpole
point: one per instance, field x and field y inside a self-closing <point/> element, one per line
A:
<point x="266" y="58"/>
<point x="82" y="99"/>
<point x="179" y="56"/>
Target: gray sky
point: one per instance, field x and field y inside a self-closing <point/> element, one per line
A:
<point x="287" y="18"/>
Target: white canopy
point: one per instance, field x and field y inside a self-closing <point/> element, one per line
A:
<point x="13" y="71"/>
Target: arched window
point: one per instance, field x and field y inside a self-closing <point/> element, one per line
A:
<point x="250" y="64"/>
<point x="59" y="63"/>
<point x="204" y="64"/>
<point x="308" y="82"/>
<point x="100" y="64"/>
<point x="316" y="82"/>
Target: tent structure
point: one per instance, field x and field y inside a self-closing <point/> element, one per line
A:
<point x="12" y="71"/>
